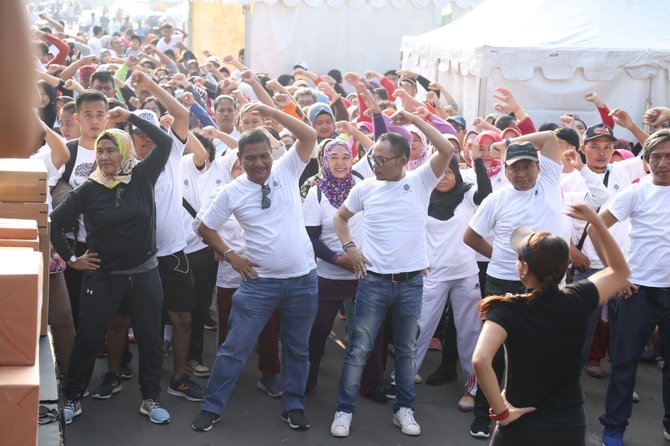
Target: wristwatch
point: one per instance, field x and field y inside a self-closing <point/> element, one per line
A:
<point x="72" y="260"/>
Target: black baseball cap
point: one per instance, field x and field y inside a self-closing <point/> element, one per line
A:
<point x="520" y="151"/>
<point x="598" y="130"/>
<point x="568" y="135"/>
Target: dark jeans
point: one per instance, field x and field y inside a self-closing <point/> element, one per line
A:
<point x="572" y="436"/>
<point x="101" y="296"/>
<point x="639" y="315"/>
<point x="496" y="287"/>
<point x="204" y="269"/>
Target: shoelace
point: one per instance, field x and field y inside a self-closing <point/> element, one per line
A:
<point x="72" y="405"/>
<point x="153" y="404"/>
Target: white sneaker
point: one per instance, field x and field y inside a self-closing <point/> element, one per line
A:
<point x="404" y="419"/>
<point x="418" y="379"/>
<point x="341" y="424"/>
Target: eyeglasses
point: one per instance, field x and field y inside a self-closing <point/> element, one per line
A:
<point x="265" y="200"/>
<point x="380" y="160"/>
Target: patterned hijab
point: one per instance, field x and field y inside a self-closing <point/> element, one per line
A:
<point x="127" y="157"/>
<point x="335" y="189"/>
<point x="423" y="155"/>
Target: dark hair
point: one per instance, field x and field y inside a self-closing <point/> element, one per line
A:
<point x="505" y="121"/>
<point x="225" y="97"/>
<point x="654" y="140"/>
<point x="188" y="55"/>
<point x="285" y="79"/>
<point x="90" y="96"/>
<point x="169" y="53"/>
<point x="382" y="93"/>
<point x="111" y="103"/>
<point x="391" y="73"/>
<point x="153" y="99"/>
<point x="251" y="136"/>
<point x="136" y="37"/>
<point x="547" y="256"/>
<point x="208" y="144"/>
<point x="263" y="79"/>
<point x="97" y="29"/>
<point x="548" y="126"/>
<point x="272" y="131"/>
<point x="336" y="74"/>
<point x="43" y="48"/>
<point x="399" y="144"/>
<point x="69" y="107"/>
<point x="102" y="76"/>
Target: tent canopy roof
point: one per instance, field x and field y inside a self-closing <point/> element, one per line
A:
<point x="517" y="36"/>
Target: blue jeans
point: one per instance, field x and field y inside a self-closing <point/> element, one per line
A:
<point x="639" y="314"/>
<point x="295" y="299"/>
<point x="374" y="297"/>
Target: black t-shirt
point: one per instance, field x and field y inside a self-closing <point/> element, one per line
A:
<point x="545" y="338"/>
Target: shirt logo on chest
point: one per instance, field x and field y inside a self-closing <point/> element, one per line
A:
<point x="406" y="187"/>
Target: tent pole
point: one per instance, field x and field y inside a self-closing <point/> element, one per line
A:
<point x="481" y="98"/>
<point x="247" y="35"/>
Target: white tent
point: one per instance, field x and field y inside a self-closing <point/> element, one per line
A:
<point x="351" y="35"/>
<point x="549" y="53"/>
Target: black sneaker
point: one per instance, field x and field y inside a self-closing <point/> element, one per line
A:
<point x="185" y="388"/>
<point x="110" y="384"/>
<point x="441" y="376"/>
<point x="666" y="425"/>
<point x="126" y="372"/>
<point x="480" y="428"/>
<point x="204" y="421"/>
<point x="296" y="419"/>
<point x="390" y="392"/>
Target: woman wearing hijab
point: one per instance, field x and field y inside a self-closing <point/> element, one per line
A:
<point x="543" y="332"/>
<point x="120" y="267"/>
<point x="418" y="148"/>
<point x="337" y="282"/>
<point x="322" y="119"/>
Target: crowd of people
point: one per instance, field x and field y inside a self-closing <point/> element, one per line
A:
<point x="515" y="249"/>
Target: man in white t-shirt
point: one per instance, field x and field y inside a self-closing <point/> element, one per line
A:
<point x="394" y="205"/>
<point x="278" y="269"/>
<point x="533" y="199"/>
<point x="646" y="301"/>
<point x="225" y="115"/>
<point x="170" y="40"/>
<point x="91" y="116"/>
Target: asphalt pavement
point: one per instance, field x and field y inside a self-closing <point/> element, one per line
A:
<point x="252" y="418"/>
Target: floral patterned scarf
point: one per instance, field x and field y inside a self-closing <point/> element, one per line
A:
<point x="127" y="154"/>
<point x="335" y="189"/>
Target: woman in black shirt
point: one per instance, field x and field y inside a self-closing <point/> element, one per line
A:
<point x="120" y="267"/>
<point x="543" y="332"/>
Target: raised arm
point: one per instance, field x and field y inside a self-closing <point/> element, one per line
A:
<point x="305" y="134"/>
<point x="171" y="104"/>
<point x="439" y="160"/>
<point x="75" y="66"/>
<point x="545" y="142"/>
<point x="249" y="78"/>
<point x="59" y="151"/>
<point x="622" y="118"/>
<point x="614" y="277"/>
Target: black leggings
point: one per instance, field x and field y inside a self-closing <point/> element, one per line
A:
<point x="101" y="297"/>
<point x="572" y="436"/>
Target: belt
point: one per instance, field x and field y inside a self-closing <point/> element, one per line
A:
<point x="396" y="277"/>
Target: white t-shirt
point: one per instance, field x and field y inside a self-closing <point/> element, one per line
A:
<point x="95" y="44"/>
<point x="648" y="207"/>
<point x="163" y="46"/>
<point x="450" y="258"/>
<point x="170" y="235"/>
<point x="220" y="147"/>
<point x="497" y="181"/>
<point x="217" y="175"/>
<point x="191" y="193"/>
<point x="622" y="174"/>
<point x="363" y="167"/>
<point x="540" y="208"/>
<point x="321" y="214"/>
<point x="53" y="174"/>
<point x="276" y="237"/>
<point x="83" y="167"/>
<point x="394" y="217"/>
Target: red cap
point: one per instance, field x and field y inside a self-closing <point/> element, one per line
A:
<point x="87" y="70"/>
